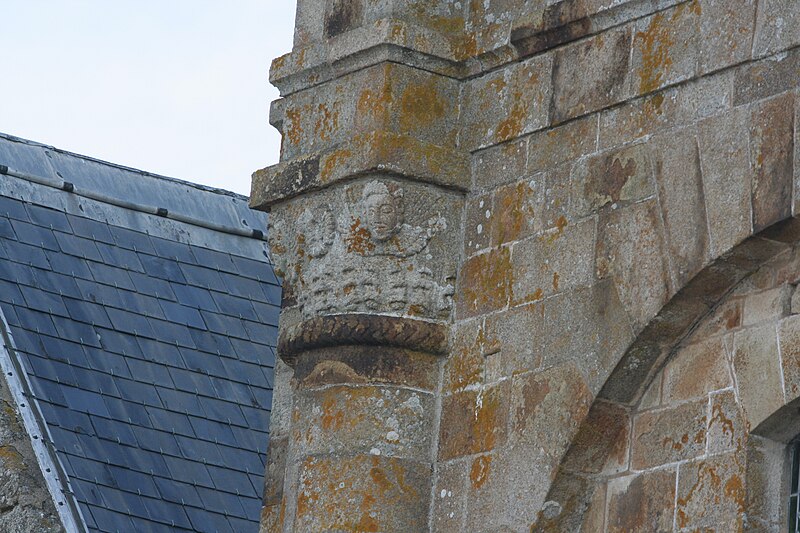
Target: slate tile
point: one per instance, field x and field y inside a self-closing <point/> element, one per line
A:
<point x="109" y="275"/>
<point x="210" y="430"/>
<point x="194" y="297"/>
<point x="252" y="506"/>
<point x="107" y="362"/>
<point x="173" y="250"/>
<point x="171" y="421"/>
<point x="90" y="470"/>
<point x="203" y="362"/>
<point x="119" y="432"/>
<point x="133" y="481"/>
<point x="223" y="411"/>
<point x="161" y="268"/>
<point x="213" y="259"/>
<point x="242" y="287"/>
<point x="87" y="312"/>
<point x="249" y="438"/>
<point x="45" y="302"/>
<point x="68" y="265"/>
<point x="13" y="209"/>
<point x="256" y="418"/>
<point x="36" y="321"/>
<point x="68" y="419"/>
<point x="221" y="502"/>
<point x="132" y="240"/>
<point x="207" y="522"/>
<point x="189" y="381"/>
<point x="160" y="352"/>
<point x="147" y="372"/>
<point x="157" y="441"/>
<point x="230" y="480"/>
<point x="177" y="492"/>
<point x="140" y="304"/>
<point x="56" y="283"/>
<point x="97" y="293"/>
<point x="120" y="257"/>
<point x="200" y="450"/>
<point x="66" y="442"/>
<point x="58" y="349"/>
<point x="26" y="254"/>
<point x="119" y="343"/>
<point x="84" y="401"/>
<point x="166" y="513"/>
<point x="90" y="229"/>
<point x="188" y="471"/>
<point x="135" y="391"/>
<point x="75" y="331"/>
<point x="132" y="413"/>
<point x="48" y="391"/>
<point x="33" y="235"/>
<point x="79" y="247"/>
<point x="233" y="306"/>
<point x="49" y="218"/>
<point x="181" y="402"/>
<point x="258" y="270"/>
<point x="224" y="325"/>
<point x="110" y="520"/>
<point x="98" y="382"/>
<point x="182" y="314"/>
<point x="172" y="334"/>
<point x="152" y="286"/>
<point x="130" y="322"/>
<point x="258" y="333"/>
<point x="124" y="501"/>
<point x="231" y="391"/>
<point x="201" y="276"/>
<point x="6" y="228"/>
<point x="16" y="273"/>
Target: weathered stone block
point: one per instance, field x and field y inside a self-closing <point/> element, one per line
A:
<point x="517" y="336"/>
<point x="726" y="33"/>
<point x="555" y="261"/>
<point x="518" y="211"/>
<point x="789" y="337"/>
<point x="464" y="367"/>
<point x="601" y="445"/>
<point x="500" y="163"/>
<point x="474" y="421"/>
<point x="665" y="47"/>
<point x="724" y="156"/>
<point x="767" y="479"/>
<point x="680" y="194"/>
<point x="777" y="27"/>
<point x="568" y="142"/>
<point x="630" y="250"/>
<point x="727" y="429"/>
<point x="669" y="435"/>
<point x="591" y="74"/>
<point x="388" y="421"/>
<point x="758" y="373"/>
<point x="669" y="108"/>
<point x="508" y="103"/>
<point x="767" y="305"/>
<point x="712" y="494"/>
<point x="485" y="283"/>
<point x="695" y="370"/>
<point x="589" y="328"/>
<point x="616" y="177"/>
<point x="642" y="503"/>
<point x="363" y="493"/>
<point x="547" y="408"/>
<point x="765" y="78"/>
<point x="449" y="497"/>
<point x="772" y="158"/>
<point x="478" y="232"/>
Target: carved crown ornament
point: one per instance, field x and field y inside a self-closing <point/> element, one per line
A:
<point x="369" y="247"/>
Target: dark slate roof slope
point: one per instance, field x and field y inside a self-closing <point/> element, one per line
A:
<point x="149" y="342"/>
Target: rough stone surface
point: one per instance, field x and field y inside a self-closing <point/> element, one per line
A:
<point x="581" y="183"/>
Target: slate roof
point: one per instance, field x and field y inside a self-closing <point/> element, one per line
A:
<point x="149" y="342"/>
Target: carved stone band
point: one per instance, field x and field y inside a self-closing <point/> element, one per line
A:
<point x="363" y="329"/>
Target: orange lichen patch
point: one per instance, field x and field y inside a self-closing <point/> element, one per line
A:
<point x="473" y="421"/>
<point x="654" y="43"/>
<point x="707" y="476"/>
<point x="416" y="310"/>
<point x="294" y="130"/>
<point x="561" y="223"/>
<point x="420" y="105"/>
<point x="676" y="445"/>
<point x="359" y="240"/>
<point x="556" y="278"/>
<point x="465" y="46"/>
<point x="486" y="282"/>
<point x="513" y="212"/>
<point x="327" y="122"/>
<point x="465" y="365"/>
<point x="347" y="289"/>
<point x="11" y="459"/>
<point x="734" y="490"/>
<point x="479" y="472"/>
<point x="512" y="125"/>
<point x="332" y="417"/>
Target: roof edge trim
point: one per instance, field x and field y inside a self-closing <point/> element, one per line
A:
<point x="30" y="412"/>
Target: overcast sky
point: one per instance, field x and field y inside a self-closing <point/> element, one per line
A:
<point x="174" y="87"/>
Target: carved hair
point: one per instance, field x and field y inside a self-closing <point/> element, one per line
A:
<point x="391" y="190"/>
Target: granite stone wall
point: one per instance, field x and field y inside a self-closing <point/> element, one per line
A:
<point x="495" y="221"/>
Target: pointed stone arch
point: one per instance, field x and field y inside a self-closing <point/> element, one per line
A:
<point x="601" y="462"/>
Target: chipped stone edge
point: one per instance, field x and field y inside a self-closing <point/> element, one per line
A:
<point x="363" y="329"/>
<point x="33" y="420"/>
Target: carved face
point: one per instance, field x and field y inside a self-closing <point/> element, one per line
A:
<point x="383" y="216"/>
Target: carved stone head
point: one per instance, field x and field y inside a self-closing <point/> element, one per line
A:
<point x="384" y="210"/>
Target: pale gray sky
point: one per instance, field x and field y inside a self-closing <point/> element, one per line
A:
<point x="175" y="87"/>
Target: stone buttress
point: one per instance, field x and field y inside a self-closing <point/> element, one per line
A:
<point x="482" y="209"/>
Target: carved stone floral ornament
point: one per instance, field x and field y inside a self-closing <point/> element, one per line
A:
<point x="368" y="247"/>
